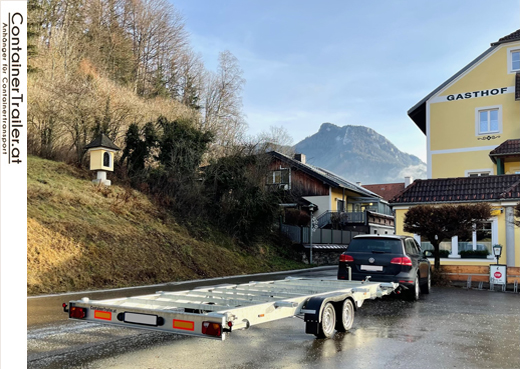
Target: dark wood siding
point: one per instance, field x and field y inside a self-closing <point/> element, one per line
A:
<point x="302" y="183"/>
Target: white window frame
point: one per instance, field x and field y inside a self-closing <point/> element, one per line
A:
<point x="477" y="119"/>
<point x="510" y="52"/>
<point x="478" y="171"/>
<point x="494" y="240"/>
<point x="271" y="178"/>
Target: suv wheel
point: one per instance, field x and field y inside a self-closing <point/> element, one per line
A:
<point x="415" y="291"/>
<point x="425" y="288"/>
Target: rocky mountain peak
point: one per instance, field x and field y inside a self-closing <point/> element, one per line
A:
<point x="359" y="154"/>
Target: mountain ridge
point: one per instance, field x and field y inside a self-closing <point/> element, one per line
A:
<point x="359" y="154"/>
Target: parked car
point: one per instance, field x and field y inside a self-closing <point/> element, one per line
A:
<point x="387" y="258"/>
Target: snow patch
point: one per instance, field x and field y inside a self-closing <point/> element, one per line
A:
<point x="416" y="171"/>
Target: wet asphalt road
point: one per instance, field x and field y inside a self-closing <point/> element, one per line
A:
<point x="450" y="328"/>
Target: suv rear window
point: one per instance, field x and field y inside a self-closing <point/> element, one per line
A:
<point x="389" y="246"/>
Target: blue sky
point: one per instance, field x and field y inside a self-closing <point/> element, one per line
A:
<point x="345" y="62"/>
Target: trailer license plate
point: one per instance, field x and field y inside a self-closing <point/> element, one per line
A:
<point x="373" y="268"/>
<point x="143" y="319"/>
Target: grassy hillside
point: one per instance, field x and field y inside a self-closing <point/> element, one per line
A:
<point x="84" y="236"/>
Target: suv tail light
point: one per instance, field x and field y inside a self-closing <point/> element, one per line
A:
<point x="343" y="257"/>
<point x="403" y="260"/>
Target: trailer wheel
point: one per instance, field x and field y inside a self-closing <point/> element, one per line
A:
<point x="345" y="316"/>
<point x="327" y="322"/>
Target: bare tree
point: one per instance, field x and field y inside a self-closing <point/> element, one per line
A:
<point x="222" y="104"/>
<point x="277" y="138"/>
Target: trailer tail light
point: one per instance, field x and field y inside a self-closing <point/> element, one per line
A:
<point x="403" y="260"/>
<point x="345" y="258"/>
<point x="212" y="329"/>
<point x="77" y="312"/>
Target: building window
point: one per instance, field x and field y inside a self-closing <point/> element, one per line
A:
<point x="479" y="172"/>
<point x="280" y="177"/>
<point x="480" y="239"/>
<point x="513" y="59"/>
<point x="488" y="120"/>
<point x="106" y="159"/>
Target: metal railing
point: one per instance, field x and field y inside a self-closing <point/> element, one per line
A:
<point x="341" y="217"/>
<point x="300" y="235"/>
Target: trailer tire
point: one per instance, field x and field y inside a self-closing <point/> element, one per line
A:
<point x="345" y="316"/>
<point x="327" y="322"/>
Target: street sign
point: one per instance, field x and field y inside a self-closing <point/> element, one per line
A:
<point x="314" y="224"/>
<point x="498" y="274"/>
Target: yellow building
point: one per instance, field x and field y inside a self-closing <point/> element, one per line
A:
<point x="472" y="126"/>
<point x="472" y="113"/>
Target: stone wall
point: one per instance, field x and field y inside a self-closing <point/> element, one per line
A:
<point x="321" y="257"/>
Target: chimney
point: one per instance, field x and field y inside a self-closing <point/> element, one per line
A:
<point x="300" y="158"/>
<point x="358" y="183"/>
<point x="408" y="181"/>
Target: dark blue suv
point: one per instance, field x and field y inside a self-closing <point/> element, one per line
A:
<point x="387" y="258"/>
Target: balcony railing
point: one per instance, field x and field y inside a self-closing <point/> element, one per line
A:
<point x="341" y="217"/>
<point x="301" y="235"/>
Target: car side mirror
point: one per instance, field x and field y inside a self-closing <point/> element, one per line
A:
<point x="428" y="253"/>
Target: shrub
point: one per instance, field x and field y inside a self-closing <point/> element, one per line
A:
<point x="444" y="253"/>
<point x="474" y="253"/>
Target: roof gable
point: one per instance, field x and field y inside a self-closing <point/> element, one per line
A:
<point x="514" y="36"/>
<point x="418" y="112"/>
<point x="102" y="141"/>
<point x="324" y="175"/>
<point x="463" y="189"/>
<point x="506" y="148"/>
<point x="386" y="190"/>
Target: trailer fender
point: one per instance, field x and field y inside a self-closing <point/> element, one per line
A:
<point x="313" y="308"/>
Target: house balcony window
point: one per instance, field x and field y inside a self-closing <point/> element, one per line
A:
<point x="280" y="177"/>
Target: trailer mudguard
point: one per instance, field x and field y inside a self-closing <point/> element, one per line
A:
<point x="313" y="308"/>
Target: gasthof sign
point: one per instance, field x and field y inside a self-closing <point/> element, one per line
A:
<point x="498" y="274"/>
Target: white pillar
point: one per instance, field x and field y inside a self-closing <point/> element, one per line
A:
<point x="454" y="247"/>
<point x="510" y="237"/>
<point x="102" y="178"/>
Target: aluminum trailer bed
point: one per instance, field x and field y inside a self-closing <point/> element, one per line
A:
<point x="214" y="312"/>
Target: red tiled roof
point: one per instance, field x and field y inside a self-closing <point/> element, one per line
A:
<point x="509" y="147"/>
<point x="386" y="190"/>
<point x="465" y="189"/>
<point x="515" y="36"/>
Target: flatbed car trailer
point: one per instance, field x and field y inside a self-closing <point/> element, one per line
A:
<point x="214" y="312"/>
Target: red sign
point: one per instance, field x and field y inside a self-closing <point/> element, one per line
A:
<point x="498" y="275"/>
